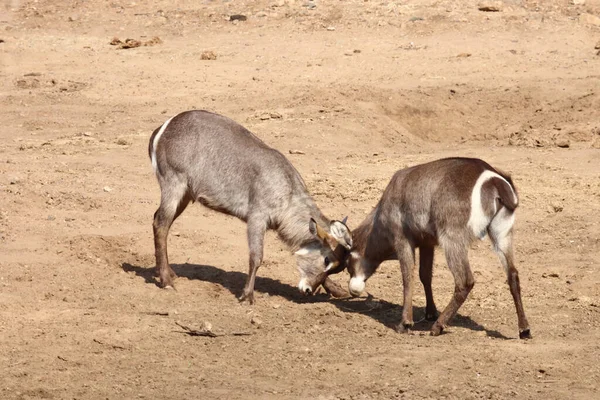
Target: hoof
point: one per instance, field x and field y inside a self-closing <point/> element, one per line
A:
<point x="525" y="334"/>
<point x="436" y="330"/>
<point x="247" y="297"/>
<point x="403" y="328"/>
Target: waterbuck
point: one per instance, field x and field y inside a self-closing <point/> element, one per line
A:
<point x="206" y="157"/>
<point x="450" y="203"/>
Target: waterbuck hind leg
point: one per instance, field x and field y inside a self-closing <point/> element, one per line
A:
<point x="503" y="247"/>
<point x="406" y="256"/>
<point x="256" y="229"/>
<point x="174" y="200"/>
<point x="458" y="262"/>
<point x="426" y="275"/>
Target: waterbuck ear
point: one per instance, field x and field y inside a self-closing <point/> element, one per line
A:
<point x="315" y="229"/>
<point x="340" y="232"/>
<point x="345" y="220"/>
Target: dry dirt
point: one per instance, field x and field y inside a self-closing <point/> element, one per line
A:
<point x="362" y="88"/>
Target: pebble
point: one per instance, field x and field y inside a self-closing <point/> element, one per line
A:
<point x="107" y="189"/>
<point x="256" y="321"/>
<point x="491" y="6"/>
<point x="589" y="19"/>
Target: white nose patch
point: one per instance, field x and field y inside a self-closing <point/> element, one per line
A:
<point x="356" y="286"/>
<point x="303" y="285"/>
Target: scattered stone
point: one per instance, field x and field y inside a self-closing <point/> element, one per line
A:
<point x="464" y="55"/>
<point x="551" y="275"/>
<point x="297" y="152"/>
<point x="2" y="41"/>
<point x="357" y="51"/>
<point x="276" y="306"/>
<point x="208" y="55"/>
<point x="414" y="19"/>
<point x="51" y="218"/>
<point x="589" y="19"/>
<point x="238" y="17"/>
<point x="578" y="2"/>
<point x="491" y="6"/>
<point x="275" y="115"/>
<point x="14" y="181"/>
<point x="33" y="74"/>
<point x="69" y="219"/>
<point x="563" y="142"/>
<point x="107" y="189"/>
<point x="556" y="207"/>
<point x="256" y="321"/>
<point x="132" y="43"/>
<point x="597" y="46"/>
<point x="331" y="28"/>
<point x="88" y="134"/>
<point x="123" y="142"/>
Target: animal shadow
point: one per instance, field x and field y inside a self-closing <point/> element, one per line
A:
<point x="384" y="312"/>
<point x="233" y="281"/>
<point x="390" y="314"/>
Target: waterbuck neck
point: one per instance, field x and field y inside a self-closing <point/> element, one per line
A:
<point x="372" y="240"/>
<point x="293" y="228"/>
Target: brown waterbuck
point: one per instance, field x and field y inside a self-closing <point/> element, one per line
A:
<point x="205" y="157"/>
<point x="450" y="203"/>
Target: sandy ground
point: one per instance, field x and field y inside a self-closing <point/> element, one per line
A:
<point x="363" y="88"/>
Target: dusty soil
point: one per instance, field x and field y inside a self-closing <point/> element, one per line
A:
<point x="363" y="88"/>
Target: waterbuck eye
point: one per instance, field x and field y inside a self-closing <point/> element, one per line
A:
<point x="326" y="261"/>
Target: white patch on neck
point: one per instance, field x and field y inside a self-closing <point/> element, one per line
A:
<point x="478" y="221"/>
<point x="155" y="143"/>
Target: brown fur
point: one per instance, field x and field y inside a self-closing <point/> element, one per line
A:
<point x="429" y="205"/>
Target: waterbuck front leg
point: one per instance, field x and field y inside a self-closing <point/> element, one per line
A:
<point x="257" y="226"/>
<point x="426" y="276"/>
<point x="174" y="199"/>
<point x="406" y="256"/>
<point x="458" y="262"/>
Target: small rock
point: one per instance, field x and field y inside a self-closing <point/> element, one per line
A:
<point x="176" y="233"/>
<point x="264" y="117"/>
<point x="69" y="219"/>
<point x="1" y="40"/>
<point x="256" y="321"/>
<point x="87" y="134"/>
<point x="276" y="306"/>
<point x="556" y="207"/>
<point x="72" y="19"/>
<point x="331" y="28"/>
<point x="490" y="6"/>
<point x="123" y="142"/>
<point x="297" y="152"/>
<point x="356" y="51"/>
<point x="563" y="143"/>
<point x="597" y="46"/>
<point x="578" y="2"/>
<point x="14" y="181"/>
<point x="238" y="17"/>
<point x="51" y="217"/>
<point x="464" y="55"/>
<point x="589" y="19"/>
<point x="275" y="115"/>
<point x="107" y="189"/>
<point x="208" y="55"/>
<point x="550" y="275"/>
